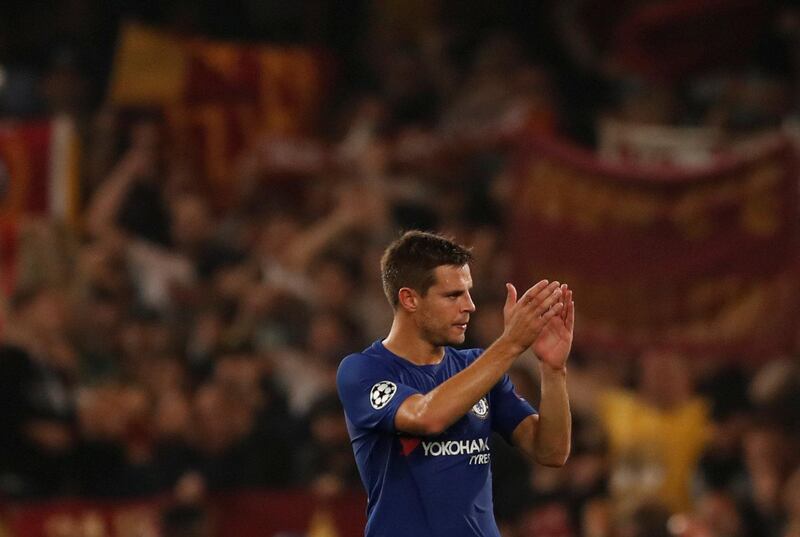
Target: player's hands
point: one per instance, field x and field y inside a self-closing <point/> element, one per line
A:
<point x="554" y="341"/>
<point x="527" y="317"/>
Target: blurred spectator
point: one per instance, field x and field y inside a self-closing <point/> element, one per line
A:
<point x="721" y="480"/>
<point x="309" y="373"/>
<point x="250" y="379"/>
<point x="791" y="504"/>
<point x="222" y="449"/>
<point x="769" y="456"/>
<point x="117" y="457"/>
<point x="167" y="231"/>
<point x="717" y="515"/>
<point x="38" y="412"/>
<point x="775" y="391"/>
<point x="647" y="520"/>
<point x="325" y="462"/>
<point x="656" y="434"/>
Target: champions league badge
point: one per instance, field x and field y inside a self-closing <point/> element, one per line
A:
<point x="381" y="394"/>
<point x="481" y="408"/>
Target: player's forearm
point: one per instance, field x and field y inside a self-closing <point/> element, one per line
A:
<point x="552" y="440"/>
<point x="432" y="413"/>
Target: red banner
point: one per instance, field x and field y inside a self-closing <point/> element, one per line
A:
<point x="218" y="97"/>
<point x="240" y="514"/>
<point x="705" y="261"/>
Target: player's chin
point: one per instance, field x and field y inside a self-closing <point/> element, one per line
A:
<point x="457" y="336"/>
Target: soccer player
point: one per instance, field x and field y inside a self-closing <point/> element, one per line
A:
<point x="420" y="413"/>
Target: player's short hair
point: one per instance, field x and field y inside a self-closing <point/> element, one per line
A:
<point x="410" y="261"/>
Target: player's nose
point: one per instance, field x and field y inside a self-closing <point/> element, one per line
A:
<point x="468" y="305"/>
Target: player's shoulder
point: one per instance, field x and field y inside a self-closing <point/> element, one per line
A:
<point x="354" y="360"/>
<point x="367" y="360"/>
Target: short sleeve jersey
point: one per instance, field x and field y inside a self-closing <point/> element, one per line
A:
<point x="423" y="486"/>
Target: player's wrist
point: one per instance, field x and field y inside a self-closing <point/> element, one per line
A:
<point x="508" y="346"/>
<point x="553" y="370"/>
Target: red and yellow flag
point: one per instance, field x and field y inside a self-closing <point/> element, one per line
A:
<point x="217" y="96"/>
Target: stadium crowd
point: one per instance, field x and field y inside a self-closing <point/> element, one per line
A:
<point x="172" y="348"/>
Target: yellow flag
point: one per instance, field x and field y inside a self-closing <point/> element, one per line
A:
<point x="149" y="68"/>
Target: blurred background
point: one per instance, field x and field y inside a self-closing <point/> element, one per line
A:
<point x="194" y="197"/>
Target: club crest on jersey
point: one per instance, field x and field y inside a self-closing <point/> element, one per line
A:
<point x="481" y="408"/>
<point x="381" y="393"/>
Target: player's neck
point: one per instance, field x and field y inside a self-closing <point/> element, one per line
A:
<point x="405" y="342"/>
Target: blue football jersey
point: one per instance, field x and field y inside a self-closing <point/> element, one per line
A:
<point x="423" y="486"/>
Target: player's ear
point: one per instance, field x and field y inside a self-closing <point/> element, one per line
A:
<point x="408" y="299"/>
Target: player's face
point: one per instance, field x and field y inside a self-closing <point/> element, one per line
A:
<point x="444" y="311"/>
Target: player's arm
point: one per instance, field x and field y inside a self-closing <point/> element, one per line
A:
<point x="432" y="413"/>
<point x="546" y="438"/>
